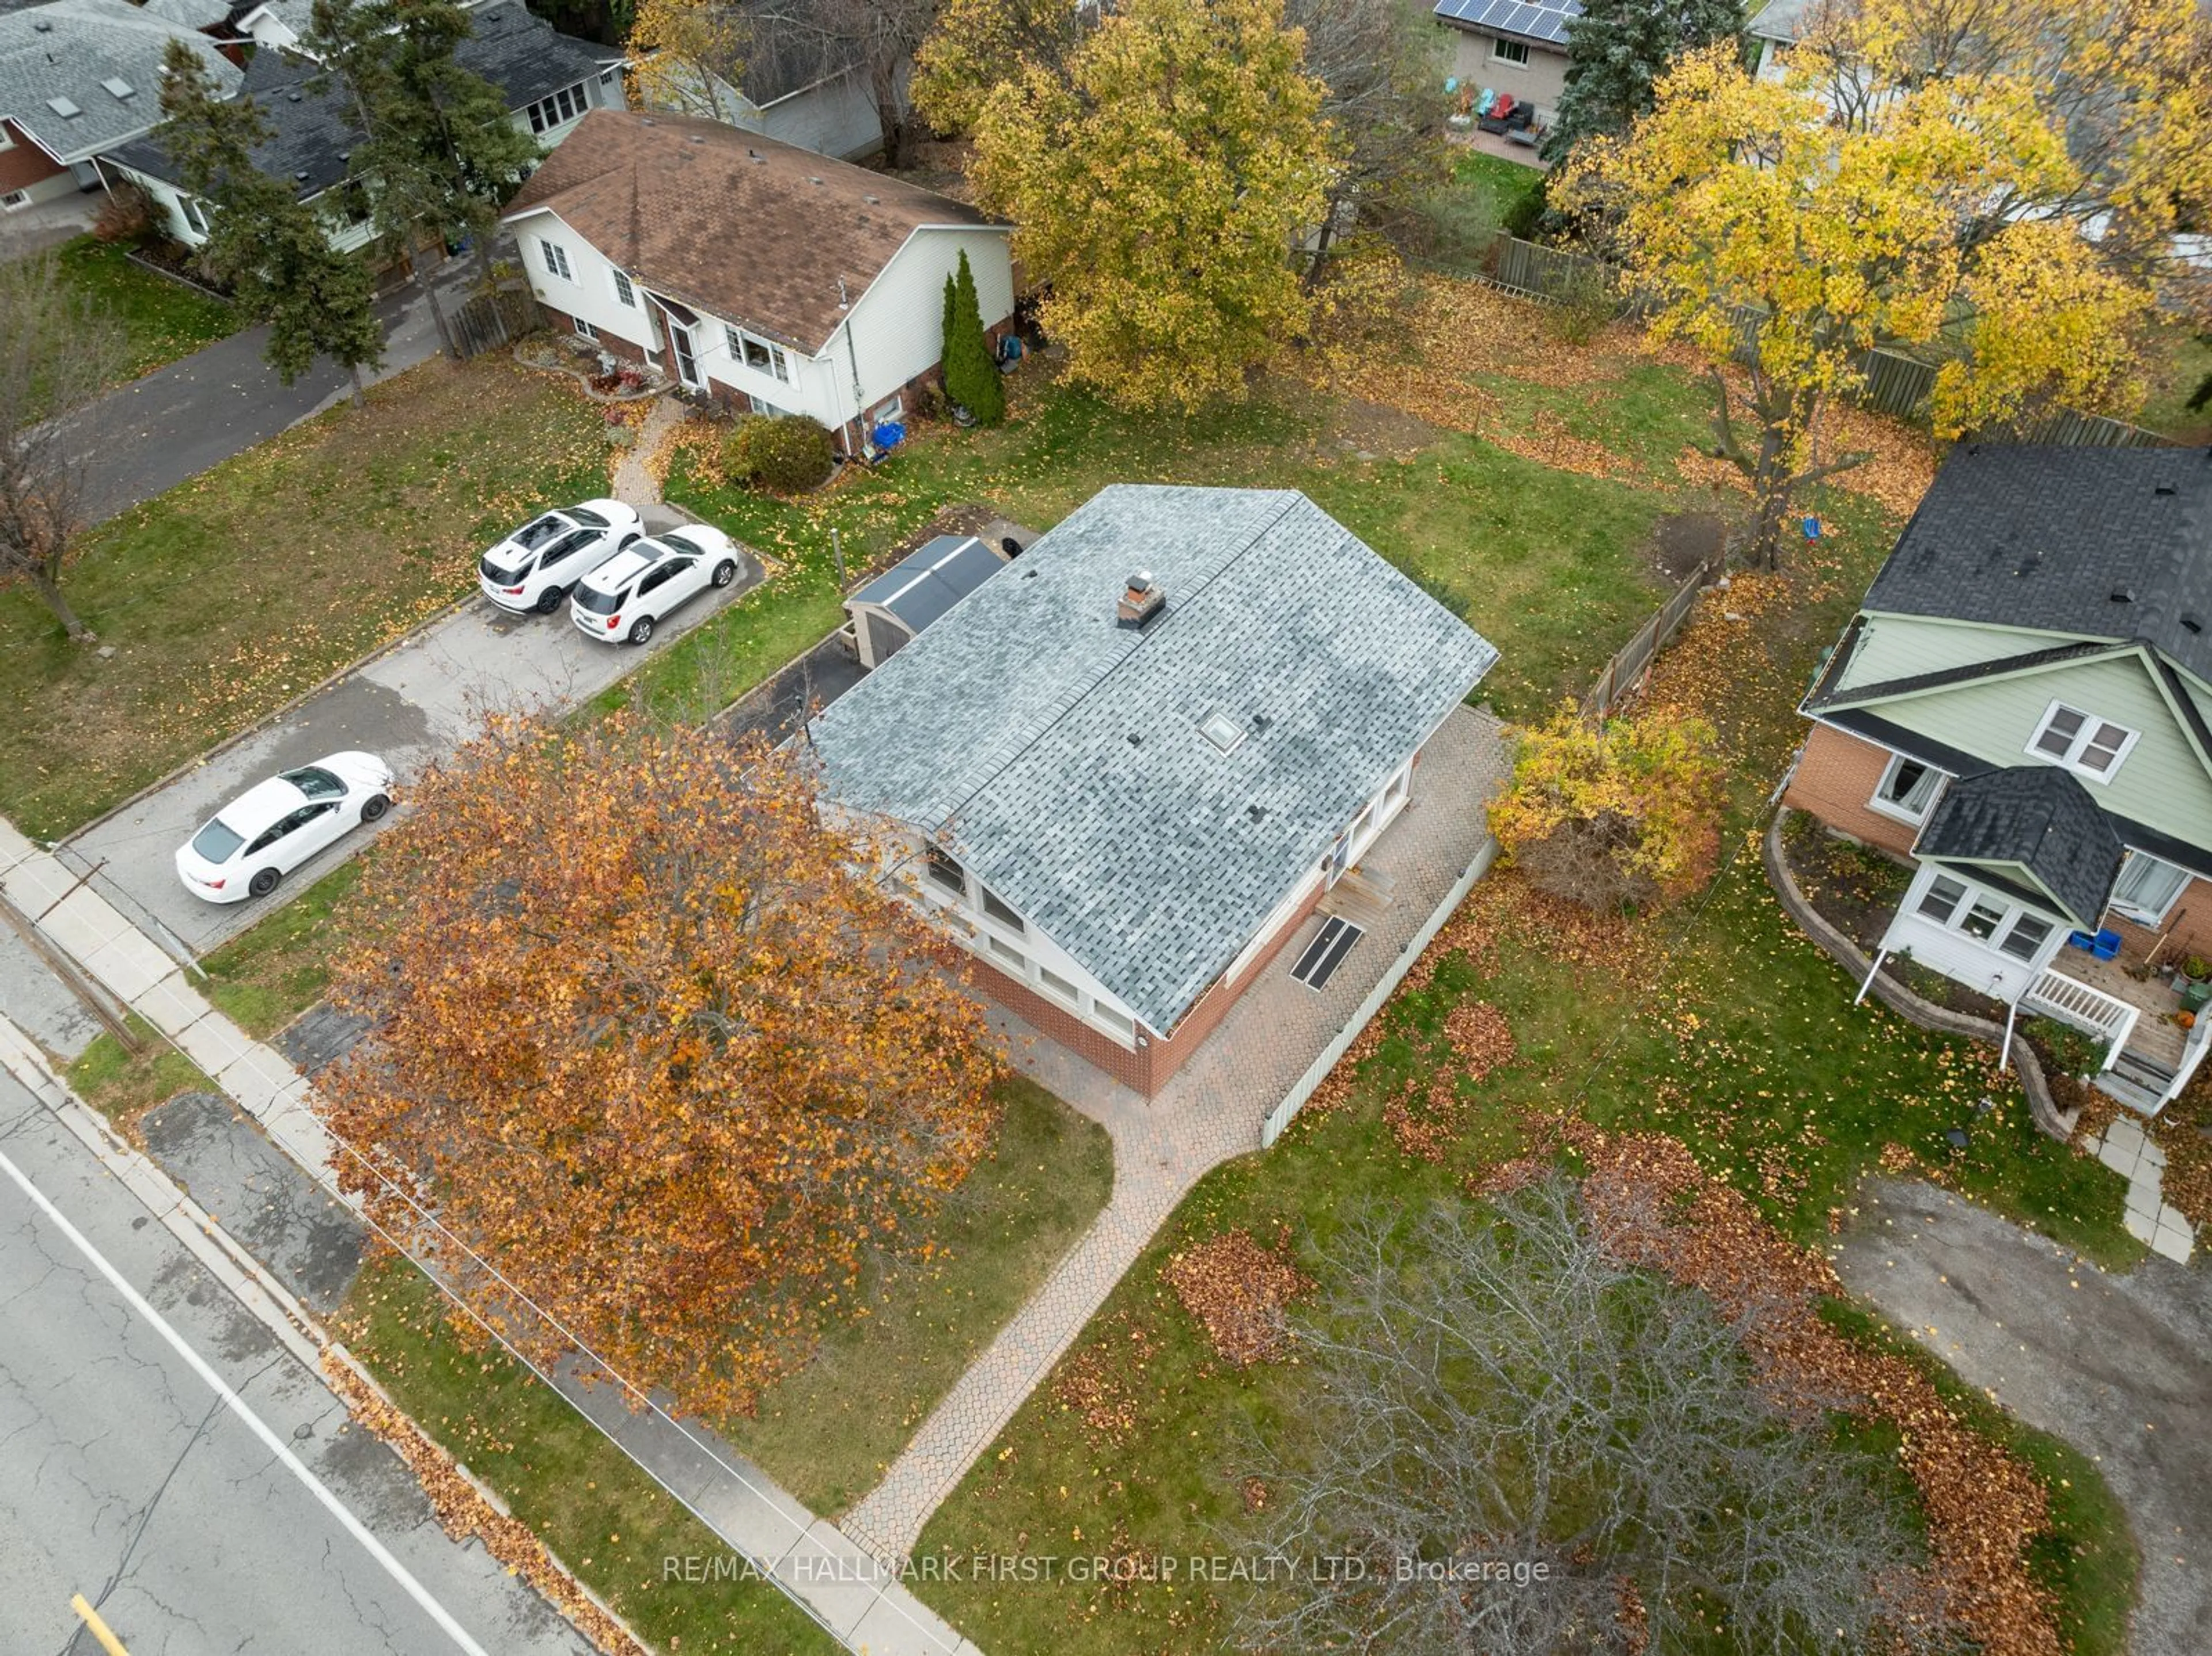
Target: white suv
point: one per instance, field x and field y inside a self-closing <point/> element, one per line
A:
<point x="535" y="568"/>
<point x="623" y="600"/>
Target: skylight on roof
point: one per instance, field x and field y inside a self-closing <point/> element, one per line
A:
<point x="1218" y="728"/>
<point x="64" y="109"/>
<point x="119" y="87"/>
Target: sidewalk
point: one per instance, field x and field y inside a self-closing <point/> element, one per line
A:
<point x="860" y="1603"/>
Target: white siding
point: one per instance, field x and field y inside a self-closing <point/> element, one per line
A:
<point x="897" y="327"/>
<point x="589" y="289"/>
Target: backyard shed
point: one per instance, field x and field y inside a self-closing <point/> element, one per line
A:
<point x="889" y="610"/>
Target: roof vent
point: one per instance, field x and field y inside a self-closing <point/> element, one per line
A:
<point x="2123" y="595"/>
<point x="291" y="97"/>
<point x="698" y="138"/>
<point x="118" y="88"/>
<point x="814" y="180"/>
<point x="64" y="109"/>
<point x="2162" y="488"/>
<point x="755" y="154"/>
<point x="301" y="178"/>
<point x="2192" y="621"/>
<point x="1142" y="600"/>
<point x="872" y="200"/>
<point x="1225" y="732"/>
<point x="1257" y="813"/>
<point x="44" y="25"/>
<point x="647" y="120"/>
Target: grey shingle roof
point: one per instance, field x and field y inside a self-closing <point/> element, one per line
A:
<point x="70" y="50"/>
<point x="2040" y="816"/>
<point x="932" y="578"/>
<point x="2101" y="542"/>
<point x="315" y="132"/>
<point x="1059" y="755"/>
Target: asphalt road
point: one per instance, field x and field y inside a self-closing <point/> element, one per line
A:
<point x="2114" y="1364"/>
<point x="156" y="433"/>
<point x="412" y="705"/>
<point x="126" y="1476"/>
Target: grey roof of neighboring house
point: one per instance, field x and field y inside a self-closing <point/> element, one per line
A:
<point x="1780" y="20"/>
<point x="2040" y="816"/>
<point x="929" y="581"/>
<point x="1544" y="22"/>
<point x="1059" y="755"/>
<point x="314" y="133"/>
<point x="192" y="13"/>
<point x="66" y="53"/>
<point x="2099" y="542"/>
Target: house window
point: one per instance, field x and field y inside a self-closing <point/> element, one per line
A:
<point x="1114" y="1021"/>
<point x="997" y="909"/>
<point x="2080" y="742"/>
<point x="2147" y="887"/>
<point x="1907" y="789"/>
<point x="761" y="355"/>
<point x="1010" y="956"/>
<point x="584" y="328"/>
<point x="761" y="405"/>
<point x="1509" y="52"/>
<point x="1941" y="898"/>
<point x="557" y="259"/>
<point x="1984" y="916"/>
<point x="944" y="868"/>
<point x="623" y="291"/>
<point x="2026" y="936"/>
<point x="563" y="106"/>
<point x="891" y="413"/>
<point x="195" y="215"/>
<point x="1060" y="986"/>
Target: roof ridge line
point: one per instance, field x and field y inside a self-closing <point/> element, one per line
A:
<point x="1144" y="637"/>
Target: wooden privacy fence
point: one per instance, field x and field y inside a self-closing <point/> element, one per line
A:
<point x="1631" y="664"/>
<point x="486" y="322"/>
<point x="1890" y="382"/>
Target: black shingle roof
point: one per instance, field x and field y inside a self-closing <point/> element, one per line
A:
<point x="315" y="133"/>
<point x="2040" y="816"/>
<point x="2104" y="542"/>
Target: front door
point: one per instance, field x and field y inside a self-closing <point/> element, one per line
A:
<point x="687" y="364"/>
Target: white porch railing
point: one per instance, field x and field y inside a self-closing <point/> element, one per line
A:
<point x="2085" y="1006"/>
<point x="2192" y="1054"/>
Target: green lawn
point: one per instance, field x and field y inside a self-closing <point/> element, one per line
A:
<point x="1546" y="563"/>
<point x="123" y="1085"/>
<point x="1454" y="224"/>
<point x="277" y="969"/>
<point x="234" y="592"/>
<point x="1717" y="1023"/>
<point x="162" y="319"/>
<point x="587" y="1500"/>
<point x="828" y="1432"/>
<point x="2181" y="358"/>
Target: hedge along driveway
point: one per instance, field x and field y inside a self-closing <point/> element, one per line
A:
<point x="229" y="595"/>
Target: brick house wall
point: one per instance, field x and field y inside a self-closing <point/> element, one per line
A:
<point x="2190" y="921"/>
<point x="25" y="164"/>
<point x="1147" y="1069"/>
<point x="612" y="343"/>
<point x="1836" y="775"/>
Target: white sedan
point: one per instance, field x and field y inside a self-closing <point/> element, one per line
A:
<point x="272" y="827"/>
<point x="625" y="598"/>
<point x="536" y="567"/>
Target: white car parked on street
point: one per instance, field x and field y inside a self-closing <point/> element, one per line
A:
<point x="624" y="598"/>
<point x="272" y="827"/>
<point x="536" y="567"/>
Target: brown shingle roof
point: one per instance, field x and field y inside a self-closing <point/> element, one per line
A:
<point x="748" y="229"/>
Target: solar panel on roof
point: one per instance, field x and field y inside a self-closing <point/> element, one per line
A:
<point x="1539" y="21"/>
<point x="64" y="107"/>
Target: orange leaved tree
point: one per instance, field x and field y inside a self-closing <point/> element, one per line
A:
<point x="654" y="1048"/>
<point x="1626" y="811"/>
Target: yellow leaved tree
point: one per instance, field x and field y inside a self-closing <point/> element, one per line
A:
<point x="687" y="56"/>
<point x="1157" y="191"/>
<point x="1782" y="243"/>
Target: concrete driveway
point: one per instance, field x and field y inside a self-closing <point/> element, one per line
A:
<point x="413" y="705"/>
<point x="2116" y="1365"/>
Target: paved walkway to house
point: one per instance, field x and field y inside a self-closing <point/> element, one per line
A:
<point x="2114" y="1364"/>
<point x="863" y="1606"/>
<point x="1275" y="1041"/>
<point x="2152" y="1220"/>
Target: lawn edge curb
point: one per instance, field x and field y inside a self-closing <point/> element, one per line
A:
<point x="2048" y="1118"/>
